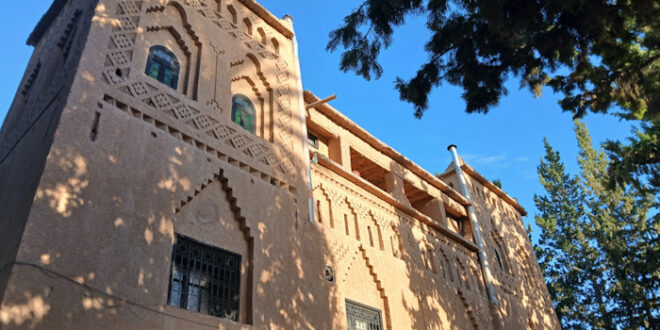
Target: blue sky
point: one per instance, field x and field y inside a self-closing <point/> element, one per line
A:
<point x="507" y="143"/>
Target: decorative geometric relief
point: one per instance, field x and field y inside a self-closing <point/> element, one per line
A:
<point x="270" y="159"/>
<point x="284" y="104"/>
<point x="283" y="90"/>
<point x="284" y="117"/>
<point x="282" y="76"/>
<point x="361" y="209"/>
<point x="213" y="104"/>
<point x="209" y="13"/>
<point x="121" y="40"/>
<point x="194" y="3"/>
<point x="241" y="35"/>
<point x="129" y="7"/>
<point x="239" y="141"/>
<point x="127" y="23"/>
<point x="256" y="150"/>
<point x="285" y="133"/>
<point x="225" y="25"/>
<point x="203" y="122"/>
<point x="112" y="77"/>
<point x="255" y="45"/>
<point x="281" y="65"/>
<point x="138" y="88"/>
<point x="182" y="111"/>
<point x="161" y="100"/>
<point x="288" y="167"/>
<point x="222" y="132"/>
<point x="118" y="58"/>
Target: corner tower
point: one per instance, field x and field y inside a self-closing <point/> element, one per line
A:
<point x="143" y="133"/>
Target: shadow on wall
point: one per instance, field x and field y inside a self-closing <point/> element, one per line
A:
<point x="98" y="244"/>
<point x="120" y="184"/>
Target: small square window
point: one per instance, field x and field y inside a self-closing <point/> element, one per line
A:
<point x="361" y="317"/>
<point x="205" y="279"/>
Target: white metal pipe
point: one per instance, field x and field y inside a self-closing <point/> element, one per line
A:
<point x="303" y="123"/>
<point x="488" y="277"/>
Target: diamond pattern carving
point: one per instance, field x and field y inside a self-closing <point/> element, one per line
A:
<point x="239" y="141"/>
<point x="209" y="13"/>
<point x="256" y="150"/>
<point x="161" y="100"/>
<point x="270" y="159"/>
<point x="129" y="7"/>
<point x="187" y="117"/>
<point x="182" y="111"/>
<point x="222" y="132"/>
<point x="112" y="77"/>
<point x="138" y="88"/>
<point x="122" y="41"/>
<point x="118" y="58"/>
<point x="203" y="122"/>
<point x="127" y="23"/>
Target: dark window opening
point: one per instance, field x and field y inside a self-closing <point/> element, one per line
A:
<point x="417" y="197"/>
<point x="368" y="170"/>
<point x="499" y="261"/>
<point x="423" y="202"/>
<point x="361" y="317"/>
<point x="243" y="113"/>
<point x="163" y="66"/>
<point x="312" y="140"/>
<point x="457" y="224"/>
<point x="205" y="279"/>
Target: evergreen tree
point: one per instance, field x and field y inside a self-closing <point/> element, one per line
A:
<point x="604" y="236"/>
<point x="562" y="240"/>
<point x="597" y="54"/>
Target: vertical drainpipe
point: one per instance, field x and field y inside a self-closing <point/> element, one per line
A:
<point x="303" y="122"/>
<point x="488" y="277"/>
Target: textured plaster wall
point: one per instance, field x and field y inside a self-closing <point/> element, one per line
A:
<point x="134" y="162"/>
<point x="28" y="130"/>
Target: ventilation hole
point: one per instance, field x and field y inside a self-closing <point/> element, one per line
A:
<point x="95" y="126"/>
<point x="119" y="73"/>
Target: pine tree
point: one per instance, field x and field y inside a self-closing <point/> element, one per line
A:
<point x="597" y="244"/>
<point x="628" y="247"/>
<point x="562" y="240"/>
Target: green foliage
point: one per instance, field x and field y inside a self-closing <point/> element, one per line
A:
<point x="596" y="53"/>
<point x="498" y="183"/>
<point x="638" y="162"/>
<point x="598" y="247"/>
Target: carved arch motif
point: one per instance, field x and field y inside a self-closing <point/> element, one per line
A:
<point x="243" y="226"/>
<point x="188" y="42"/>
<point x="176" y="114"/>
<point x="379" y="287"/>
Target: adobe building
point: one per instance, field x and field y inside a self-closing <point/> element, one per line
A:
<point x="162" y="168"/>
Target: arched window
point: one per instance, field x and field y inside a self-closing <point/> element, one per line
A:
<point x="242" y="112"/>
<point x="163" y="66"/>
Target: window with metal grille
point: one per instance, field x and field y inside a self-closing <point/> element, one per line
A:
<point x="205" y="279"/>
<point x="361" y="317"/>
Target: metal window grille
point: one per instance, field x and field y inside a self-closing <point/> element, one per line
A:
<point x="205" y="279"/>
<point x="362" y="317"/>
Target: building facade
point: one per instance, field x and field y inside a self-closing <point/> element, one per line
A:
<point x="161" y="167"/>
